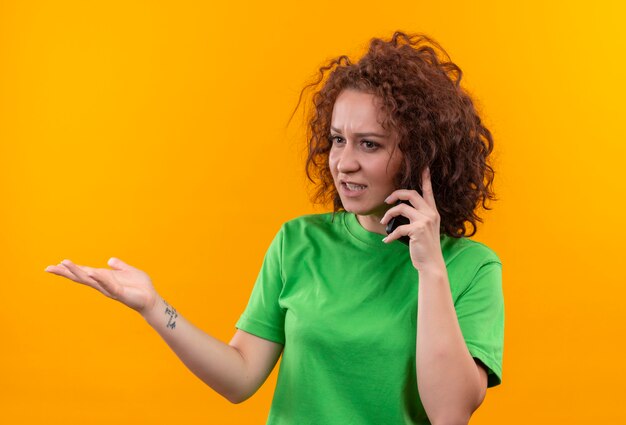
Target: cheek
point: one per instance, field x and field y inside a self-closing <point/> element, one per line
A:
<point x="390" y="174"/>
<point x="395" y="167"/>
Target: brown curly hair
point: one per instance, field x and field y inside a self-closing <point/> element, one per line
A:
<point x="437" y="124"/>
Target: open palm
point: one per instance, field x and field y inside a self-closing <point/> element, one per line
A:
<point x="122" y="282"/>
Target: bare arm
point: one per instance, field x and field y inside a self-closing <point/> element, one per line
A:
<point x="450" y="382"/>
<point x="235" y="370"/>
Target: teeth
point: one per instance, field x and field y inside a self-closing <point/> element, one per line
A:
<point x="355" y="186"/>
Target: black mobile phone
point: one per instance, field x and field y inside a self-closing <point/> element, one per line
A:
<point x="398" y="220"/>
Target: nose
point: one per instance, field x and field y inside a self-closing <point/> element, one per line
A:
<point x="348" y="161"/>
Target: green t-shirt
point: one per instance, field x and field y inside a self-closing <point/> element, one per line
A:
<point x="344" y="304"/>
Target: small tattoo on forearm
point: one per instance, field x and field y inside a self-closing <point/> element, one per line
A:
<point x="171" y="314"/>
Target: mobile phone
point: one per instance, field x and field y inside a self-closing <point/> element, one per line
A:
<point x="396" y="221"/>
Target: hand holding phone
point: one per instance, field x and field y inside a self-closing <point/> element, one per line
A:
<point x="397" y="221"/>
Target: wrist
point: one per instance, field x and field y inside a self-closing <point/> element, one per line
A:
<point x="433" y="271"/>
<point x="151" y="313"/>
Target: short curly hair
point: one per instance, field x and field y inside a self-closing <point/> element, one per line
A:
<point x="437" y="124"/>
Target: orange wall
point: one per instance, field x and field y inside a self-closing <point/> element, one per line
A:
<point x="156" y="132"/>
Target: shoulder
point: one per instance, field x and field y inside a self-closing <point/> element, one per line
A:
<point x="313" y="229"/>
<point x="312" y="219"/>
<point x="467" y="250"/>
<point x="311" y="223"/>
<point x="467" y="259"/>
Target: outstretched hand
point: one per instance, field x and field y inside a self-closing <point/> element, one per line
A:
<point x="122" y="282"/>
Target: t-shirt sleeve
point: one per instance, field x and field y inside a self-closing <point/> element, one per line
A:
<point x="263" y="315"/>
<point x="480" y="311"/>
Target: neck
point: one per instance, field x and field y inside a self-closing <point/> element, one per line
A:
<point x="371" y="223"/>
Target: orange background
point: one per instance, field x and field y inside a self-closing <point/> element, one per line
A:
<point x="157" y="132"/>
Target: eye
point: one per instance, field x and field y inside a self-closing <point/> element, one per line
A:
<point x="370" y="145"/>
<point x="334" y="140"/>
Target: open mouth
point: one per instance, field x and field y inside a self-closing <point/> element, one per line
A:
<point x="353" y="187"/>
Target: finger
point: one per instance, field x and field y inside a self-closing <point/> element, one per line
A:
<point x="407" y="195"/>
<point x="76" y="271"/>
<point x="77" y="274"/>
<point x="117" y="264"/>
<point x="397" y="234"/>
<point x="402" y="209"/>
<point x="427" y="188"/>
<point x="110" y="289"/>
<point x="61" y="270"/>
<point x="92" y="273"/>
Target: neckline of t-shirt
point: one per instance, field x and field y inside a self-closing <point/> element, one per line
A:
<point x="357" y="231"/>
<point x="374" y="239"/>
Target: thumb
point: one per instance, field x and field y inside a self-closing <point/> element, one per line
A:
<point x="118" y="264"/>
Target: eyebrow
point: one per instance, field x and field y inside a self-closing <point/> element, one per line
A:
<point x="382" y="136"/>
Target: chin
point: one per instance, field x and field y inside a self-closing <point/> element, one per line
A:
<point x="352" y="207"/>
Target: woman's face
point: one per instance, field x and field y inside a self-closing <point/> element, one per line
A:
<point x="364" y="158"/>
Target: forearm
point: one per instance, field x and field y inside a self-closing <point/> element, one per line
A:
<point x="216" y="363"/>
<point x="447" y="376"/>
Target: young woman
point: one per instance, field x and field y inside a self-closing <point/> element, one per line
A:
<point x="373" y="328"/>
